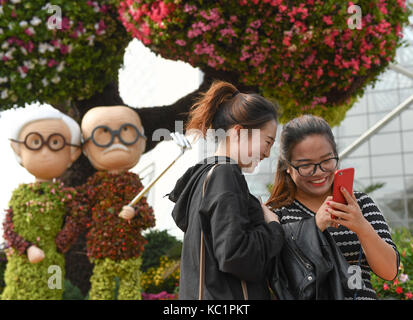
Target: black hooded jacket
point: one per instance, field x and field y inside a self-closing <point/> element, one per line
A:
<point x="239" y="244"/>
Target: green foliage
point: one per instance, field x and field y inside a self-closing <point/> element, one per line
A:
<point x="3" y="263"/>
<point x="61" y="64"/>
<point x="400" y="288"/>
<point x="107" y="272"/>
<point x="160" y="243"/>
<point x="71" y="292"/>
<point x="373" y="187"/>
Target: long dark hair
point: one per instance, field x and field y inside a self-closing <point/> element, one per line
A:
<point x="295" y="131"/>
<point x="223" y="106"/>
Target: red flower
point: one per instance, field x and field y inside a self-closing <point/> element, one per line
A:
<point x="399" y="290"/>
<point x="408" y="295"/>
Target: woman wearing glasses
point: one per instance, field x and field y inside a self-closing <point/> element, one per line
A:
<point x="303" y="189"/>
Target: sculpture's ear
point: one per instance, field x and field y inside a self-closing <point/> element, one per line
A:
<point x="84" y="151"/>
<point x="16" y="148"/>
<point x="74" y="154"/>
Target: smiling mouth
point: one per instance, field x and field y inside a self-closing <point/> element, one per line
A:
<point x="318" y="182"/>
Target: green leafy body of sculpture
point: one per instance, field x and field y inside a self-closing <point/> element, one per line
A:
<point x="35" y="216"/>
<point x="45" y="143"/>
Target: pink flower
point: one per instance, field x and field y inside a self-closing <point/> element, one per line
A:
<point x="180" y="42"/>
<point x="403" y="278"/>
<point x="29" y="46"/>
<point x="65" y="23"/>
<point x="51" y="64"/>
<point x="65" y="49"/>
<point x="286" y="41"/>
<point x="256" y="24"/>
<point x="189" y="8"/>
<point x="29" y="31"/>
<point x="408" y="295"/>
<point x="328" y="21"/>
<point x="319" y="72"/>
<point x="282" y="8"/>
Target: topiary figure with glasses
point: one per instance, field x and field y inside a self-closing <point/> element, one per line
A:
<point x="113" y="143"/>
<point x="45" y="142"/>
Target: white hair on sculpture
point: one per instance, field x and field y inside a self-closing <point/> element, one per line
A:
<point x="42" y="113"/>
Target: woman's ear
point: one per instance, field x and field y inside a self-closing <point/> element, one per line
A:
<point x="237" y="129"/>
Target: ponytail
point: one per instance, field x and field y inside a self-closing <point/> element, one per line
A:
<point x="203" y="111"/>
<point x="223" y="107"/>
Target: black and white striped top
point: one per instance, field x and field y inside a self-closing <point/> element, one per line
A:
<point x="346" y="239"/>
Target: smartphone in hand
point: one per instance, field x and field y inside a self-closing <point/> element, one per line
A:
<point x="342" y="178"/>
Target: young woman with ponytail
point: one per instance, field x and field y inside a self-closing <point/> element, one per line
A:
<point x="303" y="189"/>
<point x="240" y="235"/>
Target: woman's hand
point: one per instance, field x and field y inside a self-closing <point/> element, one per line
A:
<point x="348" y="215"/>
<point x="323" y="217"/>
<point x="380" y="255"/>
<point x="269" y="216"/>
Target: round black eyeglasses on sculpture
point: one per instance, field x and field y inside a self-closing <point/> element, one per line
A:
<point x="103" y="136"/>
<point x="308" y="170"/>
<point x="35" y="141"/>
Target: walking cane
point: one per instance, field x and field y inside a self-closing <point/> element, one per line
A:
<point x="127" y="211"/>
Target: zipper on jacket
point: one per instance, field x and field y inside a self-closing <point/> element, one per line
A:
<point x="298" y="254"/>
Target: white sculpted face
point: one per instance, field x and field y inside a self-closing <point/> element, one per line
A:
<point x="51" y="159"/>
<point x="113" y="140"/>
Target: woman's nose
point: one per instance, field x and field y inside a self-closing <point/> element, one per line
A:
<point x="267" y="152"/>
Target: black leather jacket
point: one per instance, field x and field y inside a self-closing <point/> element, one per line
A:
<point x="311" y="266"/>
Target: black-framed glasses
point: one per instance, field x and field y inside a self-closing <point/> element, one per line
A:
<point x="309" y="169"/>
<point x="103" y="136"/>
<point x="35" y="141"/>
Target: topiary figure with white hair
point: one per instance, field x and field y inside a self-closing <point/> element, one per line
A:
<point x="45" y="142"/>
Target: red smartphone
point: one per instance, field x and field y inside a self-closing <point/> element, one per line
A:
<point x="342" y="178"/>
